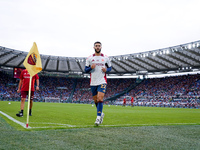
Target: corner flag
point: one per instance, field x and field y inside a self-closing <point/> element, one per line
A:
<point x="33" y="65"/>
<point x="32" y="61"/>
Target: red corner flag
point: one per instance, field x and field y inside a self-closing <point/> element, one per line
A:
<point x="33" y="65"/>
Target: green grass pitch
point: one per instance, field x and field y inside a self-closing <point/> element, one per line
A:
<point x="59" y="115"/>
<point x="71" y="127"/>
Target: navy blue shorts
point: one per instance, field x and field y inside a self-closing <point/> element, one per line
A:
<point x="98" y="88"/>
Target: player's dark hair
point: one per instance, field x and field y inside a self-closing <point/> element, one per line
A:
<point x="97" y="42"/>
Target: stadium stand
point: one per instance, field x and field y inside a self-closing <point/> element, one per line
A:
<point x="176" y="91"/>
<point x="173" y="59"/>
<point x="8" y="87"/>
<point x="65" y="78"/>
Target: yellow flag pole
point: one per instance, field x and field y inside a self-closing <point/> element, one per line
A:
<point x="29" y="97"/>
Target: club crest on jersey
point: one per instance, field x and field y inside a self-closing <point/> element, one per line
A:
<point x="102" y="60"/>
<point x="32" y="59"/>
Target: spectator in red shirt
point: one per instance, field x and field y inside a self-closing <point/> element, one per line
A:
<point x="24" y="89"/>
<point x="124" y="101"/>
<point x="132" y="100"/>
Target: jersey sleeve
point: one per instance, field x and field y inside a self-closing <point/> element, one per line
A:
<point x="87" y="62"/>
<point x="108" y="62"/>
<point x="36" y="77"/>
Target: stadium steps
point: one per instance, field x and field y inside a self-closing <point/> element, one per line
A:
<point x="124" y="92"/>
<point x="72" y="93"/>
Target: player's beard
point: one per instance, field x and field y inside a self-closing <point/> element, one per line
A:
<point x="97" y="51"/>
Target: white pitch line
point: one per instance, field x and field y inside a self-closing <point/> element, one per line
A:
<point x="54" y="124"/>
<point x="14" y="120"/>
<point x="68" y="125"/>
<point x="49" y="127"/>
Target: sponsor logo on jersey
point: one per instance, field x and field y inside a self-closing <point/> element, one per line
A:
<point x="99" y="64"/>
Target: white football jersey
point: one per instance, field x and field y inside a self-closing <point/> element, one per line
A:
<point x="97" y="76"/>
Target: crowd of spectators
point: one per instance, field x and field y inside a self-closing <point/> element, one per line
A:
<point x="55" y="87"/>
<point x="83" y="94"/>
<point x="116" y="86"/>
<point x="177" y="91"/>
<point x="49" y="87"/>
<point x="8" y="87"/>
